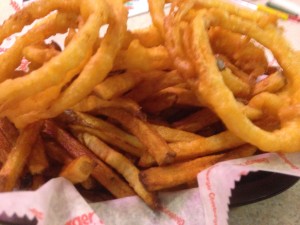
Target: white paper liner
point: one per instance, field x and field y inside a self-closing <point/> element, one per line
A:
<point x="216" y="183"/>
<point x="58" y="202"/>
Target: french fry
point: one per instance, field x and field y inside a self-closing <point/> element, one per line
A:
<point x="56" y="152"/>
<point x="240" y="152"/>
<point x="205" y="146"/>
<point x="157" y="178"/>
<point x="93" y="103"/>
<point x="267" y="102"/>
<point x="89" y="184"/>
<point x="175" y="135"/>
<point x="5" y="147"/>
<point x="100" y="124"/>
<point x="17" y="158"/>
<point x="155" y="144"/>
<point x="39" y="53"/>
<point x="199" y="147"/>
<point x="205" y="117"/>
<point x="158" y="103"/>
<point x="272" y="83"/>
<point x="152" y="83"/>
<point x="238" y="87"/>
<point x="235" y="70"/>
<point x="192" y="183"/>
<point x="102" y="173"/>
<point x="78" y="170"/>
<point x="146" y="161"/>
<point x="110" y="138"/>
<point x="61" y="156"/>
<point x="184" y="97"/>
<point x="268" y="123"/>
<point x="111" y="181"/>
<point x="121" y="164"/>
<point x="8" y="137"/>
<point x="196" y="121"/>
<point x="38" y="161"/>
<point x="154" y="58"/>
<point x="9" y="130"/>
<point x="169" y="97"/>
<point x="117" y="85"/>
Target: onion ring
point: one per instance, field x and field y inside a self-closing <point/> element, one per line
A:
<point x="207" y="78"/>
<point x="18" y="89"/>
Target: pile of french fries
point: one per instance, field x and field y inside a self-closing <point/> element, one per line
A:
<point x="118" y="144"/>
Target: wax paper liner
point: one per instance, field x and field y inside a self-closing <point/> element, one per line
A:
<point x="216" y="183"/>
<point x="58" y="202"/>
